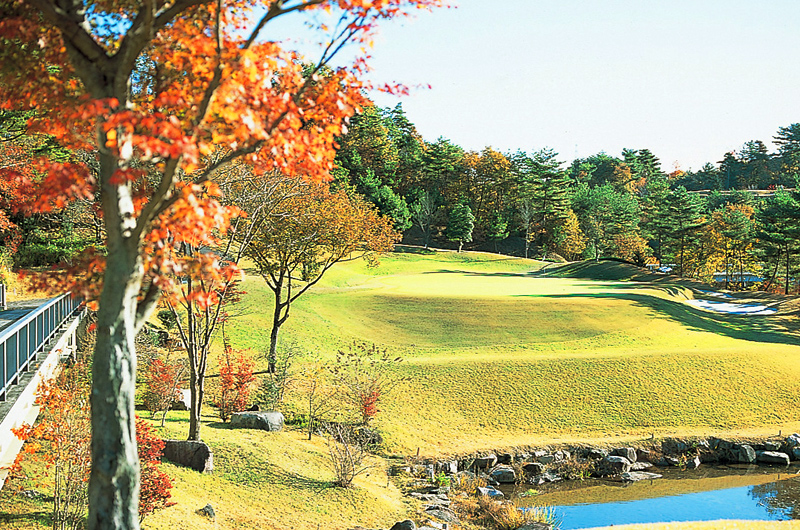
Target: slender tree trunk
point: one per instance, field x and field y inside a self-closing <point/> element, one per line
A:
<point x="196" y="391"/>
<point x="460" y="244"/>
<point x="273" y="345"/>
<point x="527" y="242"/>
<point x="786" y="283"/>
<point x="114" y="480"/>
<point x="278" y="318"/>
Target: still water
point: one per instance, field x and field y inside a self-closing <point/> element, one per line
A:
<point x="756" y="493"/>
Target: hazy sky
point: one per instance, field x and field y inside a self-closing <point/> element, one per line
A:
<point x="690" y="80"/>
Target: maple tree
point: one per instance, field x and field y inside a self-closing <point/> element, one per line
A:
<point x="313" y="230"/>
<point x="155" y="488"/>
<point x="64" y="426"/>
<point x="163" y="379"/>
<point x="151" y="89"/>
<point x="235" y="379"/>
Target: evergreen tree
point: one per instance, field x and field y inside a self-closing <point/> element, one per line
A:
<point x="778" y="234"/>
<point x="788" y="142"/>
<point x="656" y="222"/>
<point x="686" y="215"/>
<point x="460" y="224"/>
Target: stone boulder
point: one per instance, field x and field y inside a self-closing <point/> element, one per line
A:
<point x="491" y="492"/>
<point x="486" y="462"/>
<point x="547" y="458"/>
<point x="532" y="468"/>
<point x="612" y="465"/>
<point x="792" y="442"/>
<point x="194" y="455"/>
<point x="448" y="467"/>
<point x="443" y="514"/>
<point x="693" y="463"/>
<point x="408" y="524"/>
<point x="745" y="454"/>
<point x="505" y="458"/>
<point x="772" y="457"/>
<point x="627" y="452"/>
<point x="504" y="475"/>
<point x="635" y="476"/>
<point x="266" y="421"/>
<point x="207" y="511"/>
<point x="597" y="453"/>
<point x="671" y="446"/>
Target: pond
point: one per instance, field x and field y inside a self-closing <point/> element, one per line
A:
<point x="704" y="494"/>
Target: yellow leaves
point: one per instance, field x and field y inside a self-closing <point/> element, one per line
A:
<point x="111" y="139"/>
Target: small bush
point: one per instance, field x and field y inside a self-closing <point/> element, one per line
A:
<point x="346" y="454"/>
<point x="167" y="318"/>
<point x="235" y="379"/>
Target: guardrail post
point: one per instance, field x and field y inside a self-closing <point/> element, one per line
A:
<point x="3" y="304"/>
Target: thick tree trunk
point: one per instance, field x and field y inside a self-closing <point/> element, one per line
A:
<point x="114" y="481"/>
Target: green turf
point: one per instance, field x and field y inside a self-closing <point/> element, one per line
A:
<point x="498" y="351"/>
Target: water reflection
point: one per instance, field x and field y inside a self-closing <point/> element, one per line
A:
<point x="781" y="499"/>
<point x="735" y="492"/>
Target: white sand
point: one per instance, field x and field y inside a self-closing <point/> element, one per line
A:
<point x="732" y="308"/>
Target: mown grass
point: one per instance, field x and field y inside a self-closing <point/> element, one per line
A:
<point x="499" y="353"/>
<point x="261" y="481"/>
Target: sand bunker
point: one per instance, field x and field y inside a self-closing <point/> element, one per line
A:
<point x="732" y="308"/>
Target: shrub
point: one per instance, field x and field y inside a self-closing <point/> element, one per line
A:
<point x="235" y="378"/>
<point x="364" y="372"/>
<point x="163" y="379"/>
<point x="64" y="426"/>
<point x="167" y="318"/>
<point x="346" y="454"/>
<point x="155" y="485"/>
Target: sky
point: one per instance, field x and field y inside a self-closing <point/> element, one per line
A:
<point x="689" y="80"/>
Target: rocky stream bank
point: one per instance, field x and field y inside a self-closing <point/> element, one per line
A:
<point x="449" y="490"/>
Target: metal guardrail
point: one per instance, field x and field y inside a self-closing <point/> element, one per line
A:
<point x="25" y="338"/>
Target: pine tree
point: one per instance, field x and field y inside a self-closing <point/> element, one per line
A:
<point x="460" y="224"/>
<point x="686" y="216"/>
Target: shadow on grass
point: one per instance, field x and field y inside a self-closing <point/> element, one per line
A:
<point x="754" y="328"/>
<point x="30" y="519"/>
<point x="405" y="249"/>
<point x="485" y="274"/>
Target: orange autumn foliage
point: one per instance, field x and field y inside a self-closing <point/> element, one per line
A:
<point x="161" y="96"/>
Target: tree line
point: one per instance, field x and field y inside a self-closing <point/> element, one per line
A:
<point x="530" y="203"/>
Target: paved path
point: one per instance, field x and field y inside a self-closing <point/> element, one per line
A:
<point x="17" y="310"/>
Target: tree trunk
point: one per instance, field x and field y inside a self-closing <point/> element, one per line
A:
<point x="196" y="391"/>
<point x="527" y="242"/>
<point x="786" y="284"/>
<point x="277" y="320"/>
<point x="114" y="480"/>
<point x="273" y="346"/>
<point x="460" y="244"/>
